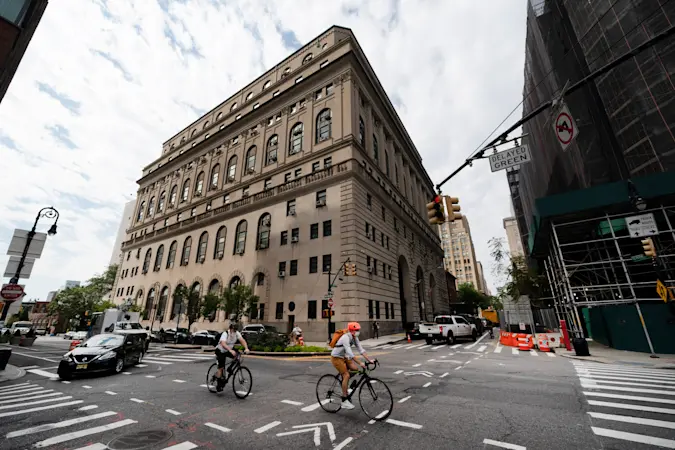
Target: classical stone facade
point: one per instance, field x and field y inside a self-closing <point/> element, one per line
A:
<point x="307" y="167"/>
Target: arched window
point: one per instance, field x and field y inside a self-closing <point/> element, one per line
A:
<point x="172" y="255"/>
<point x="185" y="255"/>
<point x="386" y="162"/>
<point x="139" y="298"/>
<point x="162" y="200"/>
<point x="219" y="251"/>
<point x="219" y="115"/>
<point x="150" y="301"/>
<point x="234" y="282"/>
<point x="206" y="124"/>
<point x="146" y="261"/>
<point x="297" y="133"/>
<point x="271" y="150"/>
<point x="264" y="225"/>
<point x="250" y="159"/>
<point x="151" y="207"/>
<point x="186" y="191"/>
<point x="161" y="307"/>
<point x="201" y="249"/>
<point x="249" y="96"/>
<point x="199" y="186"/>
<point x="176" y="306"/>
<point x="234" y="106"/>
<point x="158" y="258"/>
<point x="240" y="238"/>
<point x="376" y="150"/>
<point x="193" y="133"/>
<point x="267" y="84"/>
<point x="173" y="195"/>
<point x="197" y="288"/>
<point x="307" y="58"/>
<point x="362" y="131"/>
<point x="232" y="168"/>
<point x="323" y="125"/>
<point x="141" y="209"/>
<point x="214" y="286"/>
<point x="215" y="172"/>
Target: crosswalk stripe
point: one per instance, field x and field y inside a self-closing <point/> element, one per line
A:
<point x="62" y="424"/>
<point x="26" y="393"/>
<point x="424" y="346"/>
<point x="81" y="433"/>
<point x="397" y="346"/>
<point x="156" y="361"/>
<point x="384" y="346"/>
<point x="174" y="358"/>
<point x="498" y="349"/>
<point x="97" y="446"/>
<point x="643" y="380"/>
<point x="481" y="348"/>
<point x="653" y="409"/>
<point x="456" y="346"/>
<point x="39" y="408"/>
<point x="630" y="397"/>
<point x="613" y="373"/>
<point x="12" y="387"/>
<point x="623" y="370"/>
<point x="437" y="347"/>
<point x="634" y="437"/>
<point x="182" y="446"/>
<point x="514" y="351"/>
<point x="627" y="389"/>
<point x="43" y="373"/>
<point x="37" y="402"/>
<point x="625" y="383"/>
<point x="533" y="352"/>
<point x="630" y="419"/>
<point x="36" y="396"/>
<point x="550" y="355"/>
<point x="416" y="345"/>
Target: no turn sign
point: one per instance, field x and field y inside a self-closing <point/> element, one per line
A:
<point x="11" y="291"/>
<point x="565" y="128"/>
<point x="331" y="303"/>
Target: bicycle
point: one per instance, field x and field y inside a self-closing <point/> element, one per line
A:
<point x="330" y="396"/>
<point x="236" y="370"/>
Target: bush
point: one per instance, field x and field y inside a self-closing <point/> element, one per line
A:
<point x="267" y="339"/>
<point x="308" y="348"/>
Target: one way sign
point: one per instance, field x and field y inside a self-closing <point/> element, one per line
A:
<point x="642" y="225"/>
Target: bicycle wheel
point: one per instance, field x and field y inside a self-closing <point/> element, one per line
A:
<point x="377" y="395"/>
<point x="211" y="380"/>
<point x="329" y="393"/>
<point x="242" y="382"/>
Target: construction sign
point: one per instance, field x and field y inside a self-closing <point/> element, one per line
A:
<point x="663" y="291"/>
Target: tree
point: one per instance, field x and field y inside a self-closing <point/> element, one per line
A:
<point x="468" y="294"/>
<point x="194" y="307"/>
<point x="179" y="296"/>
<point x="211" y="303"/>
<point x="107" y="304"/>
<point x="519" y="279"/>
<point x="72" y="302"/>
<point x="102" y="284"/>
<point x="240" y="301"/>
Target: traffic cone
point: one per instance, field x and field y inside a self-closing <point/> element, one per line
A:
<point x="409" y="340"/>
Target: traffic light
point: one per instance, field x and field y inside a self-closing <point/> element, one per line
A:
<point x="435" y="211"/>
<point x="453" y="208"/>
<point x="648" y="246"/>
<point x="350" y="269"/>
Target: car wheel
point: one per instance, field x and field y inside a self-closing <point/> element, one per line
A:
<point x="450" y="338"/>
<point x="119" y="365"/>
<point x="66" y="375"/>
<point x="429" y="341"/>
<point x="474" y="336"/>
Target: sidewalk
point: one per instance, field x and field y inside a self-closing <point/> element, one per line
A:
<point x="11" y="373"/>
<point x="606" y="355"/>
<point x="369" y="343"/>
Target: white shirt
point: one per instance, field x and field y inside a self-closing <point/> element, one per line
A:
<point x="296" y="331"/>
<point x="229" y="338"/>
<point x="343" y="347"/>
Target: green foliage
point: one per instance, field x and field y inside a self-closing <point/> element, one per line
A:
<point x="135" y="308"/>
<point x="23" y="313"/>
<point x="211" y="303"/>
<point x="267" y="339"/>
<point x="308" y="348"/>
<point x="469" y="295"/>
<point x="239" y="301"/>
<point x="519" y="279"/>
<point x="107" y="304"/>
<point x="194" y="307"/>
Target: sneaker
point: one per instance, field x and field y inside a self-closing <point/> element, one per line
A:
<point x="346" y="404"/>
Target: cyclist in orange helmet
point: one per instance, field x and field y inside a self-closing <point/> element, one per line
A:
<point x="343" y="359"/>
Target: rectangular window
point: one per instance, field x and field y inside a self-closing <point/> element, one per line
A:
<point x="321" y="198"/>
<point x="316" y="166"/>
<point x="287" y="177"/>
<point x="327" y="228"/>
<point x="326" y="263"/>
<point x="369" y="201"/>
<point x="311" y="309"/>
<point x="280" y="310"/>
<point x="318" y="94"/>
<point x="377" y="310"/>
<point x="276" y="93"/>
<point x="226" y="199"/>
<point x="313" y="264"/>
<point x="374" y="266"/>
<point x="367" y="229"/>
<point x="295" y="234"/>
<point x="282" y="266"/>
<point x="382" y="239"/>
<point x="395" y="224"/>
<point x="314" y="231"/>
<point x="268" y="183"/>
<point x="327" y="162"/>
<point x="298" y="173"/>
<point x="386" y="310"/>
<point x="387" y="240"/>
<point x="261" y="311"/>
<point x="323" y="64"/>
<point x="374" y="235"/>
<point x="329" y="89"/>
<point x="290" y="208"/>
<point x="244" y="191"/>
<point x="384" y="214"/>
<point x="294" y="267"/>
<point x="284" y="237"/>
<point x="392" y="310"/>
<point x="367" y="261"/>
<point x="370" y="309"/>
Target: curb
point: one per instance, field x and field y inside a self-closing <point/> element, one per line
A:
<point x="600" y="361"/>
<point x="20" y="373"/>
<point x="183" y="347"/>
<point x="278" y="354"/>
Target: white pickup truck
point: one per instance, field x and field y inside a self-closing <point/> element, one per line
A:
<point x="448" y="328"/>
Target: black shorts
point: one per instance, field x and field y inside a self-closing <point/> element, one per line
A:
<point x="222" y="356"/>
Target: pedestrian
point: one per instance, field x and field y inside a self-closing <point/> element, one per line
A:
<point x="295" y="333"/>
<point x="376" y="329"/>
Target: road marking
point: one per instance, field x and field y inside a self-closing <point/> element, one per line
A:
<point x="269" y="426"/>
<point x="84" y="386"/>
<point x="111" y="393"/>
<point x="457" y="368"/>
<point x="384" y="346"/>
<point x="454" y="361"/>
<point x="629" y="419"/>
<point x="503" y="444"/>
<point x="533" y="352"/>
<point x="425" y="346"/>
<point x="456" y="346"/>
<point x="404" y="424"/>
<point x="36" y="357"/>
<point x="187" y="445"/>
<point x="642" y="380"/>
<point x="12" y="387"/>
<point x="291" y="402"/>
<point x="416" y="365"/>
<point x="173" y="358"/>
<point x="141" y="365"/>
<point x="627" y="389"/>
<point x="316" y="427"/>
<point x="416" y="345"/>
<point x="379" y="416"/>
<point x="97" y="446"/>
<point x="630" y="397"/>
<point x="550" y="355"/>
<point x="437" y="347"/>
<point x="404" y="399"/>
<point x="481" y="348"/>
<point x="174" y="412"/>
<point x="137" y="400"/>
<point x="634" y="437"/>
<point x="43" y="373"/>
<point x="27" y="392"/>
<point x="87" y="408"/>
<point x="126" y="373"/>
<point x="583" y="379"/>
<point x="65" y="382"/>
<point x="33" y="396"/>
<point x="498" y="349"/>
<point x="28" y="367"/>
<point x="398" y="372"/>
<point x="37" y="402"/>
<point x="40" y="408"/>
<point x="514" y="351"/>
<point x="427" y="384"/>
<point x="86" y="432"/>
<point x="396" y="346"/>
<point x="217" y="427"/>
<point x="62" y="424"/>
<point x="314" y="406"/>
<point x="444" y="375"/>
<point x="343" y="444"/>
<point x="157" y="361"/>
<point x="627" y="370"/>
<point x="150" y="376"/>
<point x="632" y="407"/>
<point x="625" y="375"/>
<point x="179" y="381"/>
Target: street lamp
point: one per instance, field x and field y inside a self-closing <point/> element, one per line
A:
<point x="50" y="213"/>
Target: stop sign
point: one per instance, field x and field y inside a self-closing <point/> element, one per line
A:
<point x="11" y="291"/>
<point x="330" y="303"/>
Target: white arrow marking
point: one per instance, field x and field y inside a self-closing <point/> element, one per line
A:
<point x="426" y="374"/>
<point x="316" y="428"/>
<point x="445" y="361"/>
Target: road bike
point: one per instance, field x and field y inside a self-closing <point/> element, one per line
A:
<point x="329" y="392"/>
<point x="242" y="380"/>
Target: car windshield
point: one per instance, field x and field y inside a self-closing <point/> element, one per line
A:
<point x="104" y="340"/>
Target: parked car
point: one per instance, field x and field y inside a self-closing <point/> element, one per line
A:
<point x="258" y="328"/>
<point x="170" y="335"/>
<point x="41" y="331"/>
<point x="23" y="327"/>
<point x="107" y="352"/>
<point x="205" y="337"/>
<point x="448" y="328"/>
<point x="413" y="329"/>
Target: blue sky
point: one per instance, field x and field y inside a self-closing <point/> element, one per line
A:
<point x="104" y="83"/>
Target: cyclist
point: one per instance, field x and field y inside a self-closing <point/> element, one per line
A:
<point x="225" y="348"/>
<point x="343" y="359"/>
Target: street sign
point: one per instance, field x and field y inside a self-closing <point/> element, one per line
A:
<point x="639" y="258"/>
<point x="13" y="264"/>
<point x="663" y="291"/>
<point x="331" y="303"/>
<point x="509" y="158"/>
<point x="18" y="243"/>
<point x="642" y="225"/>
<point x="522" y="326"/>
<point x="11" y="291"/>
<point x="565" y="128"/>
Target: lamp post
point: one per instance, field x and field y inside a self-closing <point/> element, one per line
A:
<point x="49" y="212"/>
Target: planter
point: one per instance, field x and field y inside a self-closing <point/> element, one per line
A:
<point x="5" y="353"/>
<point x="26" y="342"/>
<point x="4" y="339"/>
<point x="15" y="340"/>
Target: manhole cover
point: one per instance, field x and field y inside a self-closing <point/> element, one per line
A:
<point x="140" y="440"/>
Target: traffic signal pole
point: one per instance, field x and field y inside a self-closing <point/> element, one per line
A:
<point x="546" y="105"/>
<point x="330" y="287"/>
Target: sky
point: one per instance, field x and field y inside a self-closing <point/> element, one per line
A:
<point x="104" y="83"/>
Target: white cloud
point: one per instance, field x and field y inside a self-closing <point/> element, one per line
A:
<point x="455" y="68"/>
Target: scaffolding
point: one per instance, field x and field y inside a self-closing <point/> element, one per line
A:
<point x="595" y="261"/>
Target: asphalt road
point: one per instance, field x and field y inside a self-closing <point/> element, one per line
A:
<point x="467" y="396"/>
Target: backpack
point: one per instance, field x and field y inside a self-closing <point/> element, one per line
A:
<point x="336" y="336"/>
